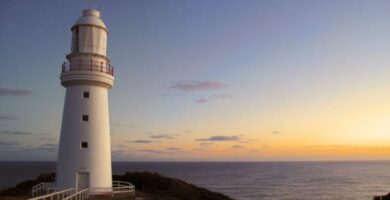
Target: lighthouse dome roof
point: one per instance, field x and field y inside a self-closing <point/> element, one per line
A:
<point x="90" y="17"/>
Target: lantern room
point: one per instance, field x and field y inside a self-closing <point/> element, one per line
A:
<point x="89" y="34"/>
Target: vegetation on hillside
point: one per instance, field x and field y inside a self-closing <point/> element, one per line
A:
<point x="149" y="186"/>
<point x="385" y="197"/>
<point x="163" y="188"/>
<point x="24" y="188"/>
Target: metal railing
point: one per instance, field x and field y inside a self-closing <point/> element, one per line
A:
<point x="123" y="187"/>
<point x="56" y="195"/>
<point x="88" y="65"/>
<point x="70" y="194"/>
<point x="117" y="187"/>
<point x="81" y="195"/>
<point x="41" y="188"/>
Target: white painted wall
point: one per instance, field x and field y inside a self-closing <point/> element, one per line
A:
<point x="96" y="159"/>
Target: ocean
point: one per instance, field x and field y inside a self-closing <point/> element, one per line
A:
<point x="250" y="180"/>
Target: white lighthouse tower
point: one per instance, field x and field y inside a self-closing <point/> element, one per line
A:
<point x="84" y="156"/>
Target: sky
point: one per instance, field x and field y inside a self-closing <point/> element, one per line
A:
<point x="208" y="80"/>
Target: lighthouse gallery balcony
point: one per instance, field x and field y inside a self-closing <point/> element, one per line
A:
<point x="88" y="65"/>
<point x="87" y="71"/>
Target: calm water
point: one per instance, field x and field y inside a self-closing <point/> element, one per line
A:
<point x="251" y="181"/>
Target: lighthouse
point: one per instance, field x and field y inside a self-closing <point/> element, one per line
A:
<point x="84" y="155"/>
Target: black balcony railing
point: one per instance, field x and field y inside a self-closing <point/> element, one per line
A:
<point x="88" y="65"/>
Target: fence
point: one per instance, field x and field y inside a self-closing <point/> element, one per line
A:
<point x="70" y="194"/>
<point x="88" y="65"/>
<point x="81" y="195"/>
<point x="41" y="188"/>
<point x="56" y="195"/>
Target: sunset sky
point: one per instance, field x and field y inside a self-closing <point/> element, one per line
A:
<point x="208" y="80"/>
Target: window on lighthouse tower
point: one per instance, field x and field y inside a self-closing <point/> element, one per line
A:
<point x="84" y="145"/>
<point x="84" y="118"/>
<point x="75" y="40"/>
<point x="86" y="95"/>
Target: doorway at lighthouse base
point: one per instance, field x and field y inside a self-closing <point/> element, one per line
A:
<point x="82" y="180"/>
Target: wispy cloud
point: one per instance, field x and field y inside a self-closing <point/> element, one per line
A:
<point x="169" y="150"/>
<point x="121" y="146"/>
<point x="199" y="149"/>
<point x="44" y="138"/>
<point x="120" y="125"/>
<point x="162" y="136"/>
<point x="276" y="132"/>
<point x="49" y="148"/>
<point x="221" y="96"/>
<point x="220" y="138"/>
<point x="238" y="147"/>
<point x="50" y="145"/>
<point x="205" y="144"/>
<point x="201" y="100"/>
<point x="152" y="151"/>
<point x="15" y="133"/>
<point x="7" y="117"/>
<point x="174" y="149"/>
<point x="14" y="92"/>
<point x="142" y="141"/>
<point x="194" y="86"/>
<point x="248" y="141"/>
<point x="8" y="143"/>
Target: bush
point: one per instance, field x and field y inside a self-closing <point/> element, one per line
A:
<point x="24" y="188"/>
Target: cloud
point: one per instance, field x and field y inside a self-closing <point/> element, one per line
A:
<point x="162" y="136"/>
<point x="119" y="125"/>
<point x="15" y="133"/>
<point x="142" y="141"/>
<point x="121" y="146"/>
<point x="205" y="144"/>
<point x="248" y="141"/>
<point x="237" y="147"/>
<point x="199" y="149"/>
<point x="14" y="92"/>
<point x="118" y="152"/>
<point x="152" y="151"/>
<point x="7" y="117"/>
<point x="174" y="149"/>
<point x="194" y="86"/>
<point x="220" y="138"/>
<point x="276" y="132"/>
<point x="46" y="138"/>
<point x="49" y="148"/>
<point x="50" y="145"/>
<point x="8" y="143"/>
<point x="201" y="100"/>
<point x="221" y="96"/>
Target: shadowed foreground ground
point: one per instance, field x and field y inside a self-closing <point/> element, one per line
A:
<point x="149" y="186"/>
<point x="385" y="197"/>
